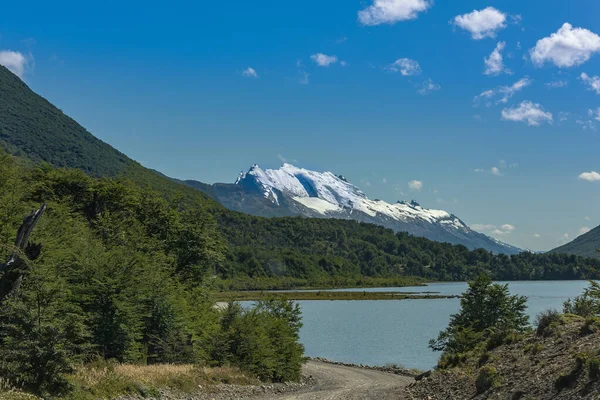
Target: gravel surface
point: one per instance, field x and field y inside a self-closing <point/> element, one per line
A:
<point x="338" y="382"/>
<point x="321" y="380"/>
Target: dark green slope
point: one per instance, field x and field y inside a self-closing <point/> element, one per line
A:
<point x="32" y="128"/>
<point x="585" y="245"/>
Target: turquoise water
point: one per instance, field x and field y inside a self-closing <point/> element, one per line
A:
<point x="386" y="331"/>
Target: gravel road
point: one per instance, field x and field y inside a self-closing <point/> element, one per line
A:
<point x="336" y="382"/>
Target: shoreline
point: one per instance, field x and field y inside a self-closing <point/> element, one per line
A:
<point x="326" y="296"/>
<point x="392" y="369"/>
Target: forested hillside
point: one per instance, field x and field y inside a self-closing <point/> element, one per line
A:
<point x="586" y="245"/>
<point x="315" y="249"/>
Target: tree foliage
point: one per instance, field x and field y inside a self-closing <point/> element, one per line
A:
<point x="123" y="275"/>
<point x="487" y="311"/>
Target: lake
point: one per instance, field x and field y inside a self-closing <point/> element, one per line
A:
<point x="386" y="331"/>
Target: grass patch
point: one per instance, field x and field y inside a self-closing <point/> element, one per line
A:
<point x="533" y="349"/>
<point x="109" y="380"/>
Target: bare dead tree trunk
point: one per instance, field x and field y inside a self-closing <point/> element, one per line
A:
<point x="18" y="264"/>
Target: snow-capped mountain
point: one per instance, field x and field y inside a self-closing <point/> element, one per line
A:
<point x="290" y="190"/>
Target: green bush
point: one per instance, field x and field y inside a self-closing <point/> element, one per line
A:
<point x="488" y="312"/>
<point x="586" y="305"/>
<point x="545" y="321"/>
<point x="262" y="340"/>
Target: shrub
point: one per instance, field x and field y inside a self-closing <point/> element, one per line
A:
<point x="262" y="340"/>
<point x="487" y="378"/>
<point x="546" y="321"/>
<point x="586" y="305"/>
<point x="486" y="309"/>
<point x="591" y="325"/>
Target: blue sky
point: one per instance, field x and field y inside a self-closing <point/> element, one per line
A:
<point x="384" y="92"/>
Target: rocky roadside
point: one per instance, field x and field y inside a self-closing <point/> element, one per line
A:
<point x="229" y="392"/>
<point x="560" y="362"/>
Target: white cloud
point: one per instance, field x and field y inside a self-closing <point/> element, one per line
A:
<point x="406" y="67"/>
<point x="428" y="87"/>
<point x="343" y="63"/>
<point x="494" y="64"/>
<point x="16" y="62"/>
<point x="323" y="60"/>
<point x="593" y="82"/>
<point x="591" y="176"/>
<point x="250" y="73"/>
<point x="537" y="235"/>
<point x="503" y="230"/>
<point x="483" y="23"/>
<point x="531" y="113"/>
<point x="502" y="93"/>
<point x="415" y="185"/>
<point x="392" y="11"/>
<point x="565" y="236"/>
<point x="557" y="84"/>
<point x="568" y="47"/>
<point x="479" y="170"/>
<point x="495" y="171"/>
<point x="384" y="180"/>
<point x="595" y="114"/>
<point x="508" y="227"/>
<point x="583" y="230"/>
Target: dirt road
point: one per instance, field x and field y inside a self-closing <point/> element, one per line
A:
<point x="336" y="382"/>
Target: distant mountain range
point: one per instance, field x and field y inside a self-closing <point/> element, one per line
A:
<point x="33" y="128"/>
<point x="293" y="191"/>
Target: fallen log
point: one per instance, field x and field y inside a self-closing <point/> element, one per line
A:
<point x="16" y="267"/>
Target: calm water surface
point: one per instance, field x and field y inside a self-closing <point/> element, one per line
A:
<point x="386" y="331"/>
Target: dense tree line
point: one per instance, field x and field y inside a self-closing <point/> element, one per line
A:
<point x="323" y="249"/>
<point x="122" y="276"/>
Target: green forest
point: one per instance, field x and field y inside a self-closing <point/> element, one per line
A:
<point x="349" y="252"/>
<point x="121" y="276"/>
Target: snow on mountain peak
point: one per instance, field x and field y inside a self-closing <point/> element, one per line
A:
<point x="330" y="194"/>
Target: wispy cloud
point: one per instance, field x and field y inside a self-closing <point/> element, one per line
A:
<point x="557" y="84"/>
<point x="429" y="86"/>
<point x="531" y="113"/>
<point x="583" y="230"/>
<point x="415" y="185"/>
<point x="323" y="60"/>
<point x="568" y="47"/>
<point x="592" y="82"/>
<point x="501" y="94"/>
<point x="250" y="73"/>
<point x="406" y="67"/>
<point x="392" y="11"/>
